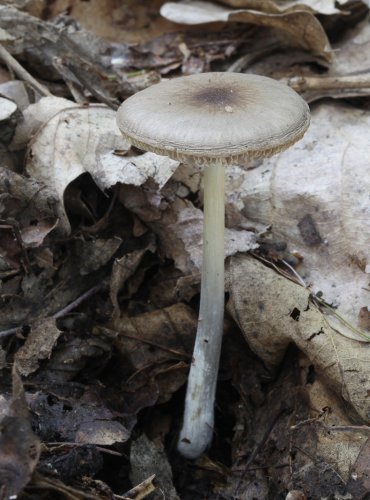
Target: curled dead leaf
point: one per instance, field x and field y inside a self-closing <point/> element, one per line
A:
<point x="300" y="27"/>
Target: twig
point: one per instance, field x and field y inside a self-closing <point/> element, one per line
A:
<point x="62" y="312"/>
<point x="61" y="444"/>
<point x="10" y="61"/>
<point x="306" y="83"/>
<point x="334" y="428"/>
<point x="78" y="301"/>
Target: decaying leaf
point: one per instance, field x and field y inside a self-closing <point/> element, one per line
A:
<point x="24" y="199"/>
<point x="273" y="312"/>
<point x="156" y="337"/>
<point x="38" y="346"/>
<point x="179" y="226"/>
<point x="339" y="441"/>
<point x="84" y="421"/>
<point x="96" y="253"/>
<point x="300" y="27"/>
<point x="155" y="346"/>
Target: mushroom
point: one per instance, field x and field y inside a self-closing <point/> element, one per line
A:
<point x="212" y="120"/>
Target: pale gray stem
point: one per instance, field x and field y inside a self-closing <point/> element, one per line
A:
<point x="197" y="430"/>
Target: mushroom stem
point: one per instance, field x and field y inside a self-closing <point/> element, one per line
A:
<point x="197" y="430"/>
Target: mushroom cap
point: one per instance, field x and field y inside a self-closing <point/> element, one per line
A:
<point x="224" y="117"/>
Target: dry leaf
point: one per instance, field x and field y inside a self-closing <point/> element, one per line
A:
<point x="35" y="116"/>
<point x="156" y="337"/>
<point x="301" y="28"/>
<point x="94" y="254"/>
<point x="179" y="226"/>
<point x="83" y="139"/>
<point x="341" y="446"/>
<point x="273" y="312"/>
<point x="147" y="459"/>
<point x="315" y="197"/>
<point x="34" y="235"/>
<point x="38" y="346"/>
<point x="84" y="421"/>
<point x="122" y="269"/>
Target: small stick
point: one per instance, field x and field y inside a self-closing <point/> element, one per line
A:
<point x="62" y="312"/>
<point x="305" y="83"/>
<point x="10" y="61"/>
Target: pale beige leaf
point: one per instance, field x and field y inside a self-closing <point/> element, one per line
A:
<point x="84" y="139"/>
<point x="321" y="185"/>
<point x="35" y="116"/>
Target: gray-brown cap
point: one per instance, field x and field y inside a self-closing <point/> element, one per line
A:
<point x="228" y="117"/>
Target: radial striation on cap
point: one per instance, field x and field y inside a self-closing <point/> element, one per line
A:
<point x="228" y="117"/>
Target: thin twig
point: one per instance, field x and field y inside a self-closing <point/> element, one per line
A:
<point x="334" y="428"/>
<point x="62" y="312"/>
<point x="78" y="301"/>
<point x="10" y="61"/>
<point x="61" y="444"/>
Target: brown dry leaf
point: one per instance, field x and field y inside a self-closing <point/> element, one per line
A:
<point x="83" y="139"/>
<point x="273" y="312"/>
<point x="300" y="27"/>
<point x="154" y="345"/>
<point x="315" y="197"/>
<point x="38" y="346"/>
<point x="156" y="337"/>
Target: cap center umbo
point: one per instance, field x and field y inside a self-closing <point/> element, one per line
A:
<point x="214" y="96"/>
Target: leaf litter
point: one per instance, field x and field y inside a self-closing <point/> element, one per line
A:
<point x="100" y="254"/>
